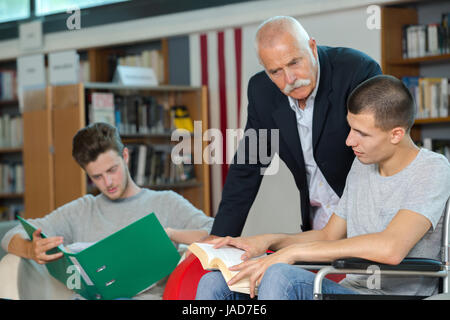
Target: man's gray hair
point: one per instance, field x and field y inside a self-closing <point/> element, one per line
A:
<point x="270" y="30"/>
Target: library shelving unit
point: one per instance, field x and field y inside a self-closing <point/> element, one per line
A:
<point x="53" y="116"/>
<point x="103" y="60"/>
<point x="392" y="61"/>
<point x="11" y="189"/>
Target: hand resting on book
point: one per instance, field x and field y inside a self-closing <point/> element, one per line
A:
<point x="254" y="246"/>
<point x="255" y="261"/>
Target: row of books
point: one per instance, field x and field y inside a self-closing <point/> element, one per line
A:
<point x="437" y="145"/>
<point x="148" y="59"/>
<point x="8" y="84"/>
<point x="11" y="178"/>
<point x="11" y="131"/>
<point x="431" y="96"/>
<point x="151" y="165"/>
<point x="8" y="213"/>
<point x="426" y="40"/>
<point x="141" y="115"/>
<point x="133" y="114"/>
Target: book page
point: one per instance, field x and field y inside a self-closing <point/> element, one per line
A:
<point x="229" y="255"/>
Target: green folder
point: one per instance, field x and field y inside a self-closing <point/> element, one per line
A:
<point x="118" y="266"/>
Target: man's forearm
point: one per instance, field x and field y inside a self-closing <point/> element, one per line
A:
<point x="280" y="241"/>
<point x="374" y="247"/>
<point x="186" y="236"/>
<point x="20" y="246"/>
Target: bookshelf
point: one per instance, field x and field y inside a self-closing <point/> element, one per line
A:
<point x="11" y="167"/>
<point x="98" y="64"/>
<point x="394" y="62"/>
<point x="54" y="115"/>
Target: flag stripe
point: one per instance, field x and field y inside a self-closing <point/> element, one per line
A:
<point x="217" y="63"/>
<point x="222" y="99"/>
<point x="230" y="70"/>
<point x="238" y="57"/>
<point x="204" y="58"/>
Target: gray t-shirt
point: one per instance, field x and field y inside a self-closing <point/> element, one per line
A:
<point x="370" y="201"/>
<point x="90" y="219"/>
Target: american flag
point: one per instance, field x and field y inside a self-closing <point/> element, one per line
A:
<point x="216" y="61"/>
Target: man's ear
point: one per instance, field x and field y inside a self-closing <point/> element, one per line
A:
<point x="397" y="134"/>
<point x="126" y="155"/>
<point x="313" y="46"/>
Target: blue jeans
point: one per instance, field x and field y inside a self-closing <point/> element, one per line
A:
<point x="280" y="282"/>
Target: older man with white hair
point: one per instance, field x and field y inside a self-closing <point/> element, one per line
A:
<point x="302" y="93"/>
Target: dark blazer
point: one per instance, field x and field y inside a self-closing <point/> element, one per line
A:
<point x="341" y="70"/>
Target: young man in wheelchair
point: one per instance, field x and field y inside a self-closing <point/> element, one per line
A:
<point x="392" y="207"/>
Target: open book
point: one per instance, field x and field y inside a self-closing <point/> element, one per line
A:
<point x="222" y="259"/>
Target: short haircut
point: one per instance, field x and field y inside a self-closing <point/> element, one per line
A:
<point x="93" y="140"/>
<point x="387" y="98"/>
<point x="271" y="29"/>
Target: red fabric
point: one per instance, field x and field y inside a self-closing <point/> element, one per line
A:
<point x="204" y="58"/>
<point x="182" y="283"/>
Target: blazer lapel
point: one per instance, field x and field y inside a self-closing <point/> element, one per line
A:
<point x="322" y="101"/>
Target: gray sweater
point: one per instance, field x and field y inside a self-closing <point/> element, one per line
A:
<point x="90" y="219"/>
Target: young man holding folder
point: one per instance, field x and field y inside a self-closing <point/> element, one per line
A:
<point x="392" y="207"/>
<point x="99" y="151"/>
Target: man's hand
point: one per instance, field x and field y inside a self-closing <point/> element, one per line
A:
<point x="254" y="246"/>
<point x="39" y="247"/>
<point x="254" y="269"/>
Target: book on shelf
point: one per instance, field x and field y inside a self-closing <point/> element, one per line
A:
<point x="151" y="165"/>
<point x="101" y="108"/>
<point x="8" y="85"/>
<point x="147" y="58"/>
<point x="421" y="40"/>
<point x="221" y="259"/>
<point x="11" y="178"/>
<point x="11" y="131"/>
<point x="431" y="96"/>
<point x="9" y="212"/>
<point x="441" y="146"/>
<point x="85" y="72"/>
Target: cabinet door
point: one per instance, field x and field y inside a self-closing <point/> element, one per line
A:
<point x="37" y="155"/>
<point x="68" y="117"/>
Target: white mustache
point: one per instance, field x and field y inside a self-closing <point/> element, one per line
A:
<point x="297" y="84"/>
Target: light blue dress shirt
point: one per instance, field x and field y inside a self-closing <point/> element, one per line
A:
<point x="322" y="197"/>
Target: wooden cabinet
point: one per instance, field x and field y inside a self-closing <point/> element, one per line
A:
<point x="53" y="116"/>
<point x="38" y="154"/>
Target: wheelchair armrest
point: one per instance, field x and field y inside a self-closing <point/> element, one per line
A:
<point x="408" y="264"/>
<point x="303" y="263"/>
